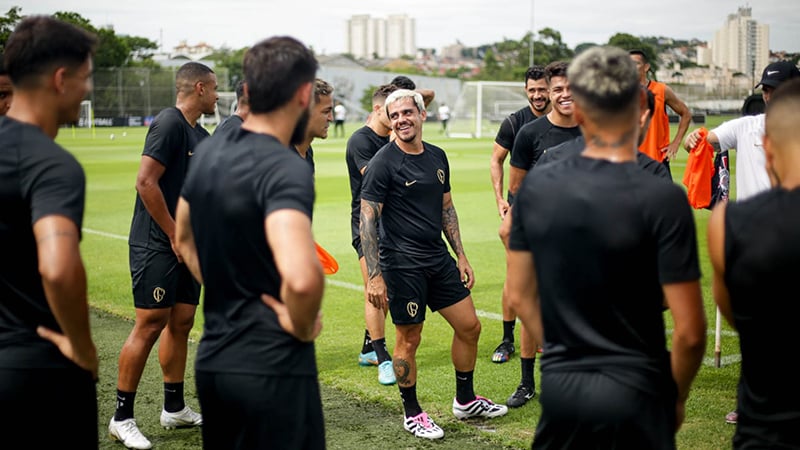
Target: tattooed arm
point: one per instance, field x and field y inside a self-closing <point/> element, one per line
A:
<point x="376" y="288"/>
<point x="453" y="235"/>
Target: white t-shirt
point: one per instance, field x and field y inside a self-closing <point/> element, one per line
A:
<point x="444" y="112"/>
<point x="746" y="135"/>
<point x="339" y="112"/>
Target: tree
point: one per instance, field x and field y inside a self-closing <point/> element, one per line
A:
<point x="366" y="97"/>
<point x="8" y="23"/>
<point x="551" y="48"/>
<point x="626" y="41"/>
<point x="232" y="60"/>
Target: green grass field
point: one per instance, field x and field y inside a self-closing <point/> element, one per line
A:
<point x="355" y="403"/>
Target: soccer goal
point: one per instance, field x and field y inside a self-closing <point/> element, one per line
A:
<point x="482" y="105"/>
<point x="226" y="105"/>
<point x="86" y="119"/>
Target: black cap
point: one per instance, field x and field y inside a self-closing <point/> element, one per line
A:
<point x="778" y="72"/>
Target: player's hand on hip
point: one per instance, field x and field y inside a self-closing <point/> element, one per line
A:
<point x="671" y="150"/>
<point x="86" y="360"/>
<point x="286" y="322"/>
<point x="376" y="292"/>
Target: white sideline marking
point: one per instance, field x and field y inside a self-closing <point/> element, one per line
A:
<point x="103" y="233"/>
<point x="724" y="361"/>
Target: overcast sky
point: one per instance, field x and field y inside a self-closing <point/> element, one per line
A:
<point x="322" y="24"/>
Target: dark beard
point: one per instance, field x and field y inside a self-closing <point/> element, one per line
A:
<point x="299" y="133"/>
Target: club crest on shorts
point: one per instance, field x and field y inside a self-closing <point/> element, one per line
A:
<point x="440" y="175"/>
<point x="159" y="293"/>
<point x="412" y="308"/>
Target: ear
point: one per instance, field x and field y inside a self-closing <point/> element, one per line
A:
<point x="769" y="160"/>
<point x="59" y="79"/>
<point x="304" y="94"/>
<point x="199" y="88"/>
<point x="424" y="114"/>
<point x="577" y="113"/>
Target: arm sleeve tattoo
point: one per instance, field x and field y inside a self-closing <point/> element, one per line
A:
<point x="370" y="213"/>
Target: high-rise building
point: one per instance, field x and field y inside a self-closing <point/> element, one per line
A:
<point x="742" y="44"/>
<point x="371" y="37"/>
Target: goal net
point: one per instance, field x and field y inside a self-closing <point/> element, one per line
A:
<point x="482" y="105"/>
<point x="226" y="105"/>
<point x="86" y="119"/>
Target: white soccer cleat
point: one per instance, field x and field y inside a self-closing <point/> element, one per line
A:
<point x="480" y="407"/>
<point x="183" y="418"/>
<point x="423" y="426"/>
<point x="128" y="434"/>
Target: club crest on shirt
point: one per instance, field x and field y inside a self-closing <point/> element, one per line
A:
<point x="159" y="293"/>
<point x="412" y="308"/>
<point x="440" y="175"/>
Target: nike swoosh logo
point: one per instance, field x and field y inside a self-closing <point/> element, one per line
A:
<point x="409" y="183"/>
<point x="770" y="72"/>
<point x="190" y="154"/>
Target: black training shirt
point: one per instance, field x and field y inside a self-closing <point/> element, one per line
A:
<point x="237" y="180"/>
<point x="38" y="178"/>
<point x="411" y="189"/>
<point x="171" y="141"/>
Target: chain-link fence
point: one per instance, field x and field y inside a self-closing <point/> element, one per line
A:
<point x="139" y="92"/>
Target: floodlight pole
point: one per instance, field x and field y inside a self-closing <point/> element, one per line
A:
<point x="530" y="56"/>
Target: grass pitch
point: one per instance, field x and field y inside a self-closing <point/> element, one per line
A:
<point x="359" y="412"/>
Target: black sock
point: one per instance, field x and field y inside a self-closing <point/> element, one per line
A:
<point x="124" y="405"/>
<point x="410" y="403"/>
<point x="508" y="330"/>
<point x="367" y="343"/>
<point x="173" y="397"/>
<point x="464" y="390"/>
<point x="527" y="372"/>
<point x="379" y="345"/>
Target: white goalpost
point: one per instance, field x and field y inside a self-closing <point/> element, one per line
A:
<point x="483" y="105"/>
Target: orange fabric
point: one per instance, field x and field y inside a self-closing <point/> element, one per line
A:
<point x="329" y="263"/>
<point x="657" y="136"/>
<point x="699" y="172"/>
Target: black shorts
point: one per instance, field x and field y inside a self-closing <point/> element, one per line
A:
<point x="48" y="408"/>
<point x="260" y="411"/>
<point x="595" y="410"/>
<point x="160" y="281"/>
<point x="411" y="290"/>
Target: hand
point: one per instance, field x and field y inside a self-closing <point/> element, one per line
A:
<point x="376" y="293"/>
<point x="87" y="361"/>
<point x="467" y="274"/>
<point x="691" y="140"/>
<point x="285" y="320"/>
<point x="502" y="208"/>
<point x="175" y="250"/>
<point x="671" y="150"/>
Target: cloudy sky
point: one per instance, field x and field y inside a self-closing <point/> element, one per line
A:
<point x="322" y="24"/>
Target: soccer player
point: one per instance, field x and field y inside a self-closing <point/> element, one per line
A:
<point x="534" y="138"/>
<point x="6" y="89"/>
<point x="361" y="147"/>
<point x="745" y="135"/>
<point x="753" y="271"/>
<point x="589" y="277"/>
<point x="538" y="105"/>
<point x="48" y="361"/>
<point x="407" y="187"/>
<point x="577" y="145"/>
<point x="248" y="238"/>
<point x="165" y="294"/>
<point x="656" y="143"/>
<point x="234" y="121"/>
<point x="319" y="120"/>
